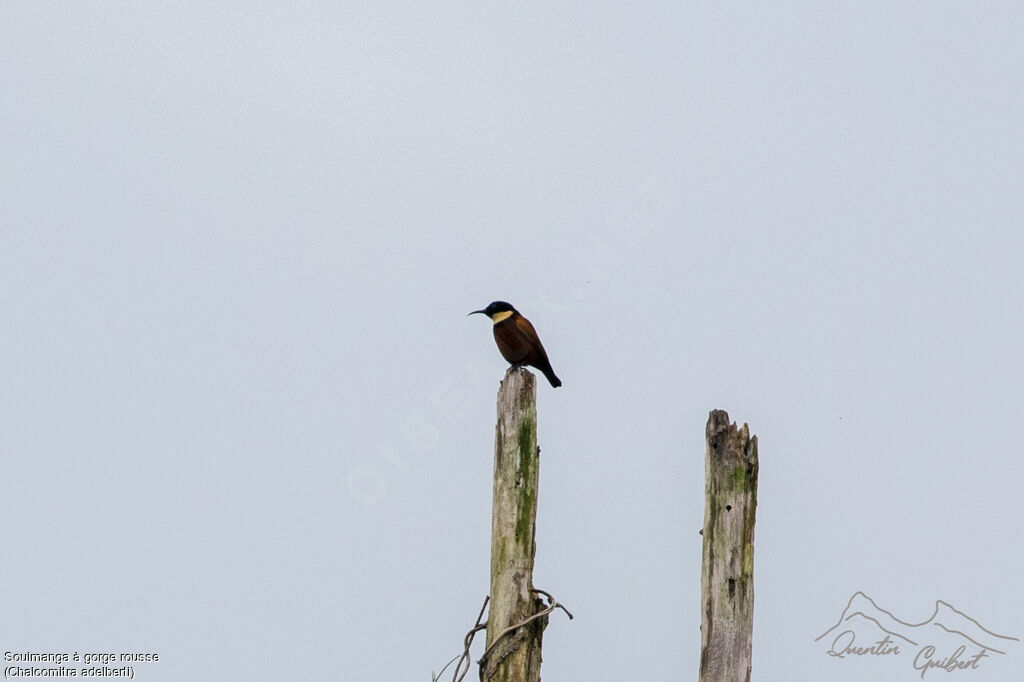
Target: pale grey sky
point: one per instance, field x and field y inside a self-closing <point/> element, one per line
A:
<point x="246" y="424"/>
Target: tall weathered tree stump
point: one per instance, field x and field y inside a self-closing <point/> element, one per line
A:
<point x="727" y="570"/>
<point x="517" y="656"/>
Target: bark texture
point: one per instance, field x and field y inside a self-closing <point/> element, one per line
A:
<point x="517" y="656"/>
<point x="727" y="570"/>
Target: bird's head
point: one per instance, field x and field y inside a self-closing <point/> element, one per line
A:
<point x="497" y="311"/>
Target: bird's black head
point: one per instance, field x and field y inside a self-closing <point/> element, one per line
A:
<point x="496" y="308"/>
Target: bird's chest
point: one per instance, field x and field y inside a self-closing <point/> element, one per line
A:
<point x="511" y="342"/>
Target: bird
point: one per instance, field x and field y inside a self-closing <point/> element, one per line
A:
<point x="517" y="340"/>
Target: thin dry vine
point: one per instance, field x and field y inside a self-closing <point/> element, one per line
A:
<point x="477" y="627"/>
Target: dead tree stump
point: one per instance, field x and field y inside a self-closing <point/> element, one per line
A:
<point x="517" y="656"/>
<point x="727" y="569"/>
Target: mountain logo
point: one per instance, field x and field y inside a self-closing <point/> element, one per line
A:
<point x="949" y="640"/>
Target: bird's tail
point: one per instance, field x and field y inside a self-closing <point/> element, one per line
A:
<point x="550" y="374"/>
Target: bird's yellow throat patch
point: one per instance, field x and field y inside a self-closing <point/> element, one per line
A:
<point x="498" y="317"/>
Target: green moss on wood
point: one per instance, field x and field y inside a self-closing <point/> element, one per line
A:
<point x="527" y="437"/>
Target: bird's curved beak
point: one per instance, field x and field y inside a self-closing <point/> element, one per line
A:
<point x="475" y="312"/>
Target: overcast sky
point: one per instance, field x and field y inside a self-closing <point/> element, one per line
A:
<point x="246" y="424"/>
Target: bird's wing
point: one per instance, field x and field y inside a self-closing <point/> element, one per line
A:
<point x="527" y="329"/>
